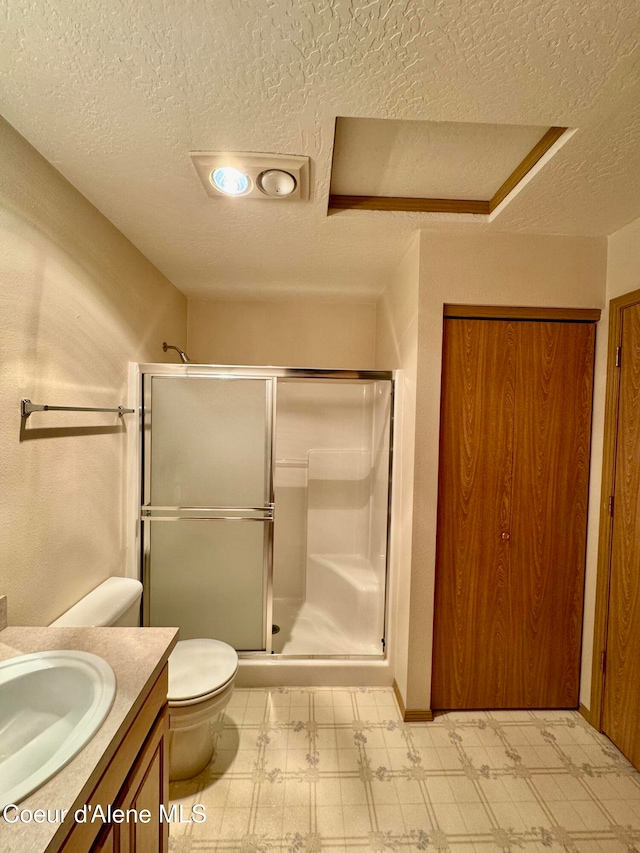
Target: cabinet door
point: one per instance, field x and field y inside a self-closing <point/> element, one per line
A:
<point x="474" y="608"/>
<point x="145" y="789"/>
<point x="552" y="440"/>
<point x="147" y="837"/>
<point x="107" y="840"/>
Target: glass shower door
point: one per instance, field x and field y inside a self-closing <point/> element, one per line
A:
<point x="207" y="511"/>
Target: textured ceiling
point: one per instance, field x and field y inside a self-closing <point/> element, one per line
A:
<point x="117" y="93"/>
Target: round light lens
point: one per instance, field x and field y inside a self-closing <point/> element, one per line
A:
<point x="276" y="182"/>
<point x="230" y="181"/>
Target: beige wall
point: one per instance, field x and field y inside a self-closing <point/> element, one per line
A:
<point x="623" y="263"/>
<point x="78" y="301"/>
<point x="501" y="269"/>
<point x="396" y="349"/>
<point x="287" y="333"/>
<point x="623" y="276"/>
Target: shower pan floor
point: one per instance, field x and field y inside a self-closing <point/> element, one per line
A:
<point x="309" y="630"/>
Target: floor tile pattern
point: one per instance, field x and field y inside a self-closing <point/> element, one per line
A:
<point x="324" y="770"/>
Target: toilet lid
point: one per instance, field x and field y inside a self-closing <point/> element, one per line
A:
<point x="198" y="667"/>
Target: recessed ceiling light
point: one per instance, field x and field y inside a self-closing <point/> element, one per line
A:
<point x="230" y="181"/>
<point x="276" y="182"/>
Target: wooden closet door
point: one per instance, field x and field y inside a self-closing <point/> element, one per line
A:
<point x="621" y="714"/>
<point x="473" y="607"/>
<point x="513" y="481"/>
<point x="550" y="496"/>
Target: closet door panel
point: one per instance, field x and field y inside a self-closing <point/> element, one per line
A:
<point x="621" y="714"/>
<point x="473" y="609"/>
<point x="550" y="494"/>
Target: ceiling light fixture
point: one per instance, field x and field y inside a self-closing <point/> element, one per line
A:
<point x="230" y="181"/>
<point x="277" y="177"/>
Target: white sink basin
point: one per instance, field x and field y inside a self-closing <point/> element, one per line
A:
<point x="51" y="704"/>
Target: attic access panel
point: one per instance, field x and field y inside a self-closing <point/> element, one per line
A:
<point x="435" y="167"/>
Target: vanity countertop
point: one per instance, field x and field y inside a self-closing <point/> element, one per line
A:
<point x="137" y="657"/>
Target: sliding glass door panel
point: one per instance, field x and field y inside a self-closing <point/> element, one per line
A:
<point x="208" y="578"/>
<point x="207" y="506"/>
<point x="209" y="442"/>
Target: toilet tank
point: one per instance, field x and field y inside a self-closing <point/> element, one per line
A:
<point x="115" y="603"/>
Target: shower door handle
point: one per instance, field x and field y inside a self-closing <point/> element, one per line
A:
<point x="207" y="513"/>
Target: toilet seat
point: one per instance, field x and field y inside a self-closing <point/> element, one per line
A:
<point x="199" y="669"/>
<point x="199" y="700"/>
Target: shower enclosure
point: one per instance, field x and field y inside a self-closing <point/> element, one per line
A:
<point x="265" y="505"/>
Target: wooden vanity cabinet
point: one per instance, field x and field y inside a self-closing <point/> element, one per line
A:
<point x="142" y="791"/>
<point x="136" y="779"/>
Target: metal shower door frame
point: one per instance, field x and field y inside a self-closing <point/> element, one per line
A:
<point x="218" y="513"/>
<point x="273" y="374"/>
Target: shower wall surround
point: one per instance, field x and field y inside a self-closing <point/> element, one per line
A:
<point x="331" y="488"/>
<point x="326" y="465"/>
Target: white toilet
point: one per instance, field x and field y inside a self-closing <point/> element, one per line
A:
<point x="201" y="673"/>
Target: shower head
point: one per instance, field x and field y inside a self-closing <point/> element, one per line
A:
<point x="185" y="358"/>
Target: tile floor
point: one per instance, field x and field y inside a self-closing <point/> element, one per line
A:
<point x="323" y="770"/>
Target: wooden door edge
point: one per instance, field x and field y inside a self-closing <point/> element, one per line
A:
<point x="616" y="306"/>
<point x="411" y="715"/>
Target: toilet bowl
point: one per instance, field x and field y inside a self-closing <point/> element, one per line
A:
<point x="201" y="678"/>
<point x="201" y="673"/>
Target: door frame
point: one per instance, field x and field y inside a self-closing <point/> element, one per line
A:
<point x="461" y="311"/>
<point x="603" y="576"/>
